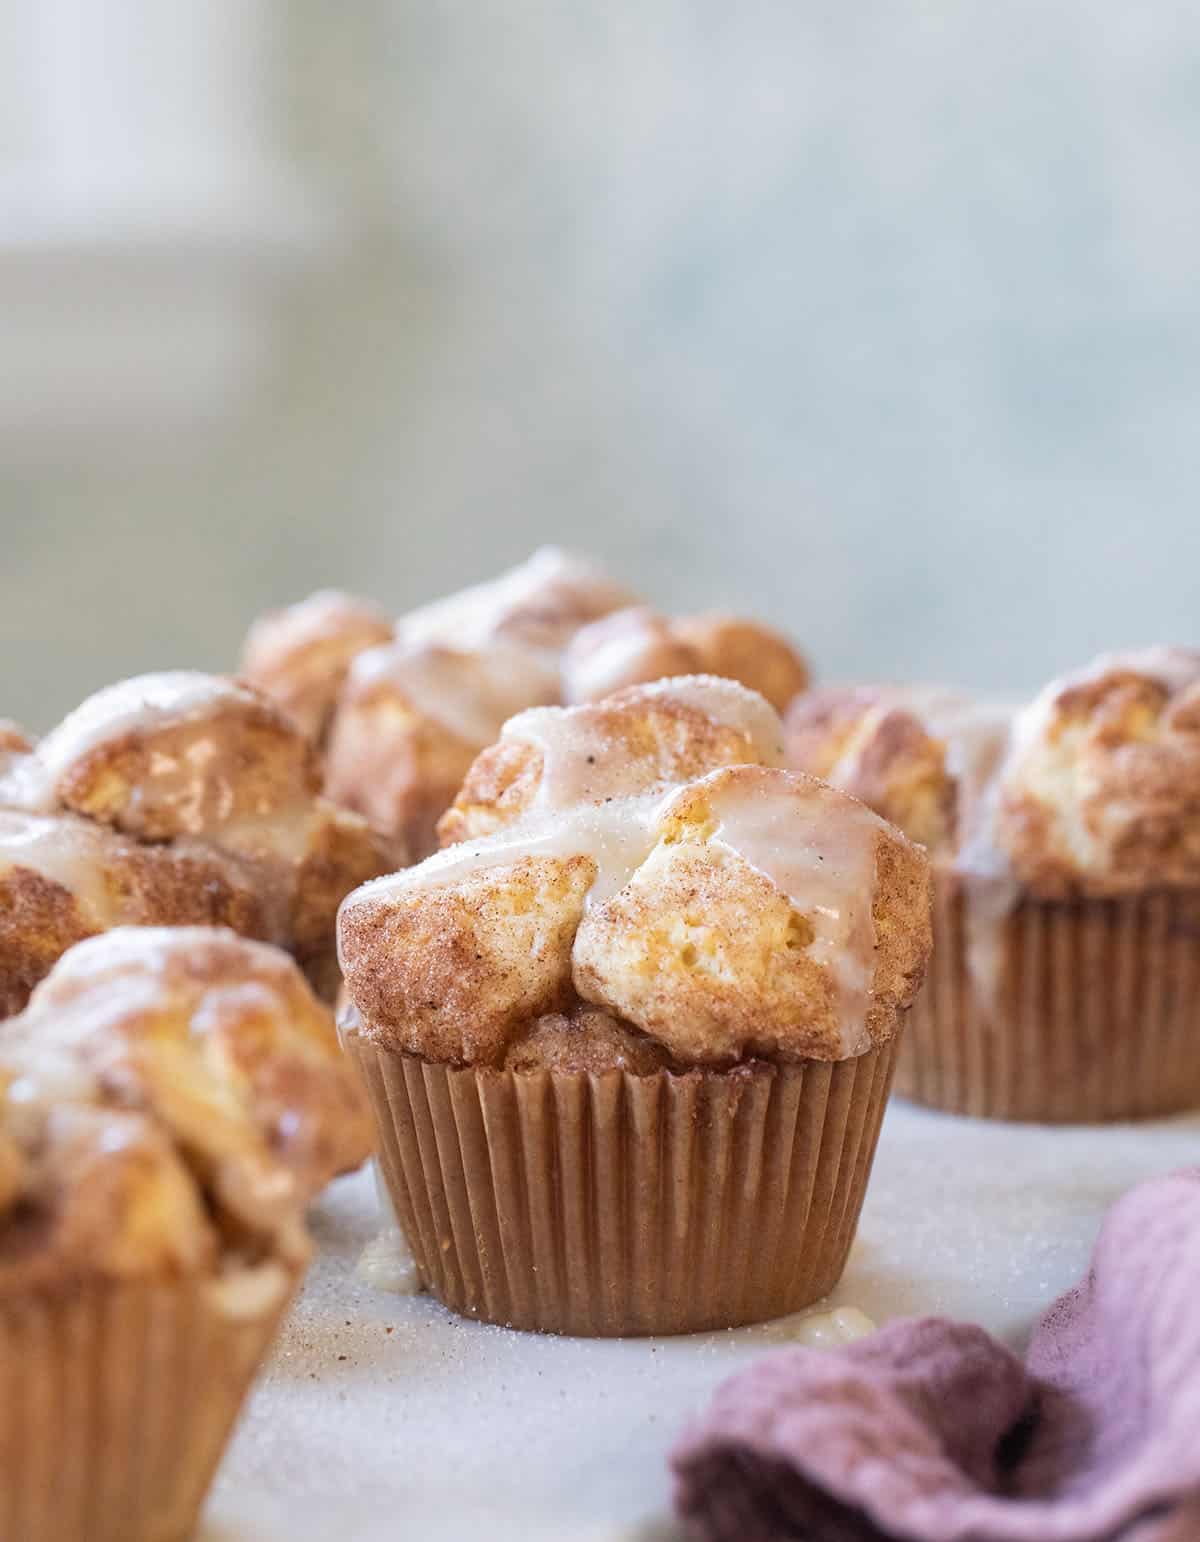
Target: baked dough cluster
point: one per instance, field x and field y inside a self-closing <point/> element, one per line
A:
<point x="1100" y="791"/>
<point x="170" y="1100"/>
<point x="401" y="718"/>
<point x="300" y="656"/>
<point x="639" y="879"/>
<point x="917" y="755"/>
<point x="1093" y="788"/>
<point x="176" y="799"/>
<point x="640" y="644"/>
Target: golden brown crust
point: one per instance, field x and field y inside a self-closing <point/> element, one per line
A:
<point x="713" y="958"/>
<point x="412" y="719"/>
<point x="211" y="1033"/>
<point x="762" y="659"/>
<point x="103" y="1194"/>
<point x="1101" y="792"/>
<point x="13" y="739"/>
<point x="872" y="741"/>
<point x="651" y="735"/>
<point x="500" y="785"/>
<point x="300" y="655"/>
<point x="173" y="800"/>
<point x="179" y="769"/>
<point x="711" y="925"/>
<point x="625" y="648"/>
<point x="638" y="645"/>
<point x="39" y="921"/>
<point x="412" y="716"/>
<point x="117" y="882"/>
<point x="584" y="1040"/>
<point x="169" y="1101"/>
<point x="538" y="605"/>
<point x="452" y="971"/>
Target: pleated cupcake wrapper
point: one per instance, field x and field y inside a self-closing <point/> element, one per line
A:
<point x="116" y="1402"/>
<point x="619" y="1204"/>
<point x="1086" y="1010"/>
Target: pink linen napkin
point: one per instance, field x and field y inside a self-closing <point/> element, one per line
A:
<point x="930" y="1431"/>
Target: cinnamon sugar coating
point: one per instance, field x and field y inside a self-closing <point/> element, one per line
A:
<point x="1092" y="789"/>
<point x="401" y="711"/>
<point x="1101" y="791"/>
<point x="708" y="954"/>
<point x="638" y="644"/>
<point x="648" y="736"/>
<point x="171" y="1097"/>
<point x="172" y="799"/>
<point x="585" y="1039"/>
<point x="13" y="740"/>
<point x="300" y="655"/>
<point x="876" y="742"/>
<point x="412" y="718"/>
<point x="714" y="914"/>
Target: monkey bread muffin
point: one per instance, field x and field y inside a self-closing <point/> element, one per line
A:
<point x="400" y="712"/>
<point x="629" y="1035"/>
<point x="170" y="1100"/>
<point x="179" y="799"/>
<point x="639" y="644"/>
<point x="1065" y="840"/>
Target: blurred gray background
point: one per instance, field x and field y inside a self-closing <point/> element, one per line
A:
<point x="880" y="320"/>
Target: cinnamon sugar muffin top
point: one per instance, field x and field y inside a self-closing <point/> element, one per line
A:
<point x="639" y="644"/>
<point x="1100" y="790"/>
<point x="174" y="798"/>
<point x="299" y="655"/>
<point x="1091" y="789"/>
<point x="647" y="857"/>
<point x="169" y="1102"/>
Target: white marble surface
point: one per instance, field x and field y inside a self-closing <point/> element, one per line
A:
<point x="383" y="1417"/>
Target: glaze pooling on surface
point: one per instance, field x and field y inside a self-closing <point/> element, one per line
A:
<point x="582" y="763"/>
<point x="818" y="849"/>
<point x="728" y="703"/>
<point x="67" y="851"/>
<point x="617" y="835"/>
<point x="468" y="692"/>
<point x="820" y="852"/>
<point x="140" y="705"/>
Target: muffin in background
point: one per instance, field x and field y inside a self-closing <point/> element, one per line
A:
<point x="400" y="712"/>
<point x="1065" y="838"/>
<point x="170" y="1100"/>
<point x="629" y="1039"/>
<point x="300" y="655"/>
<point x="637" y="645"/>
<point x="178" y="798"/>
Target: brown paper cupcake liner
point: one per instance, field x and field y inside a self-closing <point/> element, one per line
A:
<point x="1061" y="1011"/>
<point x="615" y="1204"/>
<point x="116" y="1402"/>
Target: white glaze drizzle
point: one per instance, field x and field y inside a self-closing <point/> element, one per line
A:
<point x="140" y="705"/>
<point x="541" y="590"/>
<point x="817" y="848"/>
<point x="469" y="692"/>
<point x="581" y="762"/>
<point x="387" y="1262"/>
<point x="63" y="849"/>
<point x="617" y="836"/>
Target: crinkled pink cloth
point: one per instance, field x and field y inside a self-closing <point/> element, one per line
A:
<point x="930" y="1431"/>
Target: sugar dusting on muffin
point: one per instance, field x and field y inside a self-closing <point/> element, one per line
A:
<point x="169" y="1101"/>
<point x="1092" y="789"/>
<point x="647" y="857"/>
<point x="401" y="711"/>
<point x="173" y="798"/>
